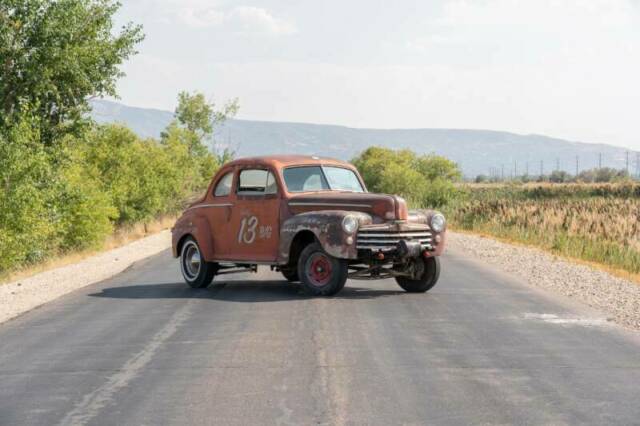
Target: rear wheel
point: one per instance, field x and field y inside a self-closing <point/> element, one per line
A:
<point x="320" y="273"/>
<point x="196" y="272"/>
<point x="291" y="274"/>
<point x="428" y="272"/>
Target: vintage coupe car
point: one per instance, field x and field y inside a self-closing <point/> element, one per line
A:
<point x="310" y="218"/>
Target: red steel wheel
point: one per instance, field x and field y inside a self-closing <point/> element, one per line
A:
<point x="319" y="269"/>
<point x="320" y="273"/>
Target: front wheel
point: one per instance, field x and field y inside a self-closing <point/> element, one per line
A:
<point x="197" y="272"/>
<point x="428" y="273"/>
<point x="320" y="273"/>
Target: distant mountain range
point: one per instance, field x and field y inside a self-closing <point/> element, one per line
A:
<point x="476" y="151"/>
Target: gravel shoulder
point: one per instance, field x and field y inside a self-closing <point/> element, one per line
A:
<point x="25" y="294"/>
<point x="616" y="297"/>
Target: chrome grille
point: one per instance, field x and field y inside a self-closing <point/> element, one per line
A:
<point x="377" y="239"/>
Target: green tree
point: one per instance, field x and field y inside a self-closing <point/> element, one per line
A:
<point x="54" y="55"/>
<point x="194" y="126"/>
<point x="200" y="117"/>
<point x="374" y="160"/>
<point x="426" y="180"/>
<point x="434" y="166"/>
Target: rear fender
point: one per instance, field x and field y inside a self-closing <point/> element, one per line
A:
<point x="198" y="227"/>
<point x="326" y="225"/>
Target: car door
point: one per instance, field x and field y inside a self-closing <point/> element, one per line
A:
<point x="218" y="213"/>
<point x="255" y="225"/>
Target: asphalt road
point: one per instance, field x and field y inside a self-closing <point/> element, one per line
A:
<point x="480" y="348"/>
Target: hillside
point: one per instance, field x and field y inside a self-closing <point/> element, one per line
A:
<point x="477" y="151"/>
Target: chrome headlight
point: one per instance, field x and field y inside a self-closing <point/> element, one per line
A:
<point x="438" y="222"/>
<point x="349" y="224"/>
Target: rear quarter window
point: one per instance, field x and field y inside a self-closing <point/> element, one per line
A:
<point x="223" y="187"/>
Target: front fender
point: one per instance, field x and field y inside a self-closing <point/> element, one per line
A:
<point x="424" y="217"/>
<point x="326" y="225"/>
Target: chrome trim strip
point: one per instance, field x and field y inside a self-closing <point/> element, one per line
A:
<point x="408" y="227"/>
<point x="365" y="234"/>
<point x="246" y="262"/>
<point x="302" y="203"/>
<point x="200" y="206"/>
<point x="388" y="242"/>
<point x="388" y="248"/>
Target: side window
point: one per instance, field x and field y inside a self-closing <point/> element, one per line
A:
<point x="223" y="187"/>
<point x="257" y="182"/>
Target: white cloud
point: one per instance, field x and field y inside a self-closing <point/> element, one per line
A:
<point x="240" y="19"/>
<point x="512" y="29"/>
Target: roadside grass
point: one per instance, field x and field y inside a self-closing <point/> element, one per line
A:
<point x="596" y="224"/>
<point x="615" y="271"/>
<point x="119" y="238"/>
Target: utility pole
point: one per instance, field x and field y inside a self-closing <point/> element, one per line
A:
<point x="541" y="169"/>
<point x="557" y="164"/>
<point x="600" y="160"/>
<point x="627" y="162"/>
<point x="515" y="168"/>
<point x="577" y="164"/>
<point x="502" y="173"/>
<point x="527" y="169"/>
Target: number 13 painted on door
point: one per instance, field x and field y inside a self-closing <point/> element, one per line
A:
<point x="247" y="232"/>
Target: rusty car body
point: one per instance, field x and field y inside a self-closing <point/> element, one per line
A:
<point x="310" y="218"/>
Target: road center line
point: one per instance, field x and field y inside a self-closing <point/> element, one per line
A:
<point x="94" y="402"/>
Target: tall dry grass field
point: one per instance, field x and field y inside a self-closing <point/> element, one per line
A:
<point x="597" y="223"/>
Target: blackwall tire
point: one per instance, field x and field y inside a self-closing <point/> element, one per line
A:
<point x="320" y="273"/>
<point x="290" y="274"/>
<point x="428" y="279"/>
<point x="197" y="272"/>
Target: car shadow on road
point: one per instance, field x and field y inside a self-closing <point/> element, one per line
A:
<point x="234" y="291"/>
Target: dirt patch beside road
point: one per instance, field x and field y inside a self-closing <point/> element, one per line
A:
<point x="25" y="294"/>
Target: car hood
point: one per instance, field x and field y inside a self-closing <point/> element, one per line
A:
<point x="381" y="207"/>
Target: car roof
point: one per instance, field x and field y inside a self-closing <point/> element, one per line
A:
<point x="279" y="161"/>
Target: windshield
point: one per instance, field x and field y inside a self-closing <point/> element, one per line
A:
<point x="318" y="178"/>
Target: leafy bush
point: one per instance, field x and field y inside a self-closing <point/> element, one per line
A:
<point x="26" y="228"/>
<point x="425" y="181"/>
<point x="70" y="195"/>
<point x="86" y="212"/>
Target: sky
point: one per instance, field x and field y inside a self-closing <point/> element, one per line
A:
<point x="562" y="68"/>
